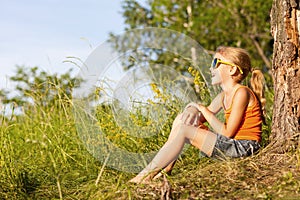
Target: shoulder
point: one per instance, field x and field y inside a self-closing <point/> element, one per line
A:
<point x="243" y="90"/>
<point x="242" y="94"/>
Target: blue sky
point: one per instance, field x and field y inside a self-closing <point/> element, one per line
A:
<point x="44" y="32"/>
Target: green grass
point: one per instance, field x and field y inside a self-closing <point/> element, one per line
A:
<point x="42" y="157"/>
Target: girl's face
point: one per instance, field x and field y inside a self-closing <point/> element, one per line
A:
<point x="218" y="71"/>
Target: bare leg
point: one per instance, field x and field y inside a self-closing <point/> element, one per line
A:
<point x="200" y="138"/>
<point x="173" y="133"/>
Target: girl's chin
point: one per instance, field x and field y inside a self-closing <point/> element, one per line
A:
<point x="215" y="83"/>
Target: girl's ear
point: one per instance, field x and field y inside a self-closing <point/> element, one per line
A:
<point x="233" y="70"/>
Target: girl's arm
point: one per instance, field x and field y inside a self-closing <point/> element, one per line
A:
<point x="240" y="102"/>
<point x="191" y="113"/>
<point x="239" y="105"/>
<point x="216" y="105"/>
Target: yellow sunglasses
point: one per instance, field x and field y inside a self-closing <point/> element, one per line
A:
<point x="216" y="61"/>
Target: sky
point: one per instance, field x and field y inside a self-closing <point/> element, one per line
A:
<point x="44" y="33"/>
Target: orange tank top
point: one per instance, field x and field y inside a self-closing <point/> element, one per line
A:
<point x="251" y="124"/>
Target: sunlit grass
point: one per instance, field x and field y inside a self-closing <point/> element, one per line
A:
<point x="43" y="157"/>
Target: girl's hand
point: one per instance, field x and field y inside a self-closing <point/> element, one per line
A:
<point x="191" y="116"/>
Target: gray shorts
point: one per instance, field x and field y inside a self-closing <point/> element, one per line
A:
<point x="228" y="147"/>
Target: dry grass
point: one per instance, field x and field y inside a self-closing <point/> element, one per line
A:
<point x="264" y="176"/>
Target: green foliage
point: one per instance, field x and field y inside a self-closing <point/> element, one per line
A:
<point x="43" y="157"/>
<point x="38" y="152"/>
<point x="36" y="87"/>
<point x="199" y="84"/>
<point x="266" y="128"/>
<point x="211" y="22"/>
<point x="153" y="118"/>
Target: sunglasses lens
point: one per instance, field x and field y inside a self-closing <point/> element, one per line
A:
<point x="214" y="63"/>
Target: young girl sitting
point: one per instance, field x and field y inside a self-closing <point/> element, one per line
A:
<point x="240" y="134"/>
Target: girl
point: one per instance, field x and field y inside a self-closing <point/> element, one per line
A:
<point x="240" y="134"/>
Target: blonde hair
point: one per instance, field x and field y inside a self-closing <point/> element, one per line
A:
<point x="241" y="58"/>
<point x="257" y="82"/>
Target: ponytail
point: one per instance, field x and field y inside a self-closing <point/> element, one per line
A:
<point x="257" y="82"/>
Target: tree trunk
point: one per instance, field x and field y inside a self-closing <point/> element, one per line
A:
<point x="285" y="26"/>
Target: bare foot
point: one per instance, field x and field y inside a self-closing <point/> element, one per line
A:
<point x="157" y="175"/>
<point x="144" y="179"/>
<point x="167" y="170"/>
<point x="137" y="179"/>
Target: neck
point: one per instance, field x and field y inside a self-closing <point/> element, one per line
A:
<point x="228" y="87"/>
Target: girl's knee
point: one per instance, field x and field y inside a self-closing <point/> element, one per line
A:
<point x="183" y="128"/>
<point x="177" y="120"/>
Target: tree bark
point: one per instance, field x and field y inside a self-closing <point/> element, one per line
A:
<point x="285" y="26"/>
